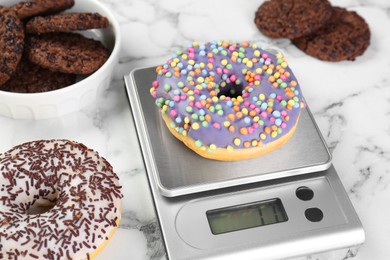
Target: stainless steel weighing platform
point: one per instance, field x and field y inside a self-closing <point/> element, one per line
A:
<point x="290" y="202"/>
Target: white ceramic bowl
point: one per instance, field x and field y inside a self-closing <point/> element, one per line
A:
<point x="74" y="97"/>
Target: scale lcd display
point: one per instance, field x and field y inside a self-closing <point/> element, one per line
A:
<point x="246" y="216"/>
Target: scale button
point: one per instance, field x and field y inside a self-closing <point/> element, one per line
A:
<point x="314" y="214"/>
<point x="304" y="193"/>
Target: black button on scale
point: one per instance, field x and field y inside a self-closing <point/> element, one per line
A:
<point x="304" y="193"/>
<point x="314" y="214"/>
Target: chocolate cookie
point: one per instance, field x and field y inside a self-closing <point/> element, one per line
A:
<point x="292" y="18"/>
<point x="345" y="37"/>
<point x="66" y="52"/>
<point x="11" y="43"/>
<point x="27" y="9"/>
<point x="31" y="78"/>
<point x="66" y="22"/>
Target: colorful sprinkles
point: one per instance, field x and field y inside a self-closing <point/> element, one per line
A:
<point x="228" y="95"/>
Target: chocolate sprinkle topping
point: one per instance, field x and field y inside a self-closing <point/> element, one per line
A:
<point x="80" y="183"/>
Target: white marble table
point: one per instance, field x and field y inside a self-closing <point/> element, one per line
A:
<point x="350" y="101"/>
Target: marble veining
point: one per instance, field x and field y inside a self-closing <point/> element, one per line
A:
<point x="350" y="102"/>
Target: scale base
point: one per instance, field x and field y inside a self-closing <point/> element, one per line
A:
<point x="187" y="234"/>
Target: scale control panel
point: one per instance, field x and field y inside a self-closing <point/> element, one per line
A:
<point x="259" y="215"/>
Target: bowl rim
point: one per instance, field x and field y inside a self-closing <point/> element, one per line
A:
<point x="112" y="58"/>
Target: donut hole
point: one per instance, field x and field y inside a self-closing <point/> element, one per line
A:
<point x="231" y="90"/>
<point x="40" y="206"/>
<point x="43" y="205"/>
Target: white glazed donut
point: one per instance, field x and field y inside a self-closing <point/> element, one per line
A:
<point x="82" y="189"/>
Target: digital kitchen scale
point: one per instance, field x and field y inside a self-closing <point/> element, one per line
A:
<point x="287" y="203"/>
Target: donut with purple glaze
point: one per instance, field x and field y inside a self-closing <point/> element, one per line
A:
<point x="228" y="101"/>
